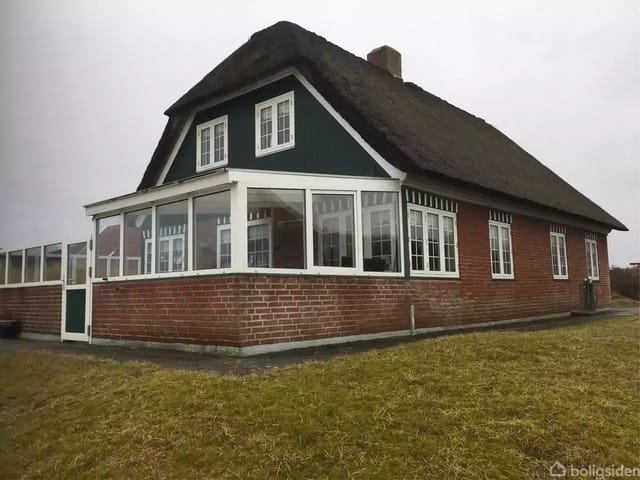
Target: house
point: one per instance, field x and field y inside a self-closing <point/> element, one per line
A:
<point x="301" y="195"/>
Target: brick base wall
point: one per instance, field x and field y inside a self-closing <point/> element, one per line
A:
<point x="200" y="310"/>
<point x="244" y="310"/>
<point x="39" y="309"/>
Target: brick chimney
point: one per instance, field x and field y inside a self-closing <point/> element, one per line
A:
<point x="388" y="59"/>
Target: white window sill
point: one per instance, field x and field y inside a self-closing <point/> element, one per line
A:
<point x="561" y="277"/>
<point x="32" y="284"/>
<point x="420" y="274"/>
<point x="495" y="276"/>
<point x="279" y="148"/>
<point x="212" y="166"/>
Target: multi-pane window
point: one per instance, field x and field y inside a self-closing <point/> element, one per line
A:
<point x="52" y="262"/>
<point x="137" y="242"/>
<point x="171" y="234"/>
<point x="275" y="124"/>
<point x="224" y="246"/>
<point x="417" y="239"/>
<point x="266" y="128"/>
<point x="108" y="247"/>
<point x="433" y="234"/>
<point x="559" y="256"/>
<point x="500" y="246"/>
<point x="333" y="230"/>
<point x="33" y="257"/>
<point x="211" y="144"/>
<point x="380" y="232"/>
<point x="212" y="217"/>
<point x="77" y="263"/>
<point x="275" y="228"/>
<point x="591" y="247"/>
<point x="259" y="243"/>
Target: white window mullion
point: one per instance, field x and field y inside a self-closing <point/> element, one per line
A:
<point x="308" y="215"/>
<point x="24" y="265"/>
<point x="441" y="243"/>
<point x="41" y="263"/>
<point x="190" y="235"/>
<point x="500" y="251"/>
<point x="358" y="234"/>
<point x="239" y="245"/>
<point x="154" y="238"/>
<point x="121" y="253"/>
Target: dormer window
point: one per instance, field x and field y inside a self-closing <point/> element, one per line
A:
<point x="275" y="125"/>
<point x="211" y="144"/>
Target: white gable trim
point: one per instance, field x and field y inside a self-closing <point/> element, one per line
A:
<point x="174" y="150"/>
<point x="392" y="171"/>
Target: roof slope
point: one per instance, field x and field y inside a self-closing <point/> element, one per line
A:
<point x="413" y="129"/>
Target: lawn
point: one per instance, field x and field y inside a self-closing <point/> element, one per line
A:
<point x="480" y="406"/>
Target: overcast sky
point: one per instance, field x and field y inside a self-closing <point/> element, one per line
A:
<point x="83" y="85"/>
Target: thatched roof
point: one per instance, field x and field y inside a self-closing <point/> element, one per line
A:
<point x="413" y="129"/>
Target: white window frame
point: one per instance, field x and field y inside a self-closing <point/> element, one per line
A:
<point x="171" y="239"/>
<point x="366" y="227"/>
<point x="501" y="275"/>
<point x="254" y="223"/>
<point x="221" y="228"/>
<point x="211" y="124"/>
<point x="148" y="251"/>
<point x="559" y="276"/>
<point x="238" y="181"/>
<point x="594" y="267"/>
<point x="342" y="221"/>
<point x="273" y="103"/>
<point x="442" y="273"/>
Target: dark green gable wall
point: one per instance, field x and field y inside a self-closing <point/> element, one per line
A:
<point x="321" y="144"/>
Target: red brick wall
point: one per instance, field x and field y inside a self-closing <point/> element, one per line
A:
<point x="39" y="309"/>
<point x="239" y="310"/>
<point x="201" y="310"/>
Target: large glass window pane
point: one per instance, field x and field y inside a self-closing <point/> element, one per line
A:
<point x="283" y="122"/>
<point x="449" y="243"/>
<point x="3" y="268"/>
<point x="266" y="128"/>
<point x="77" y="263"/>
<point x="495" y="249"/>
<point x="275" y="228"/>
<point x="433" y="241"/>
<point x="108" y="247"/>
<point x="15" y="267"/>
<point x="380" y="232"/>
<point x="563" y="256"/>
<point x="52" y="262"/>
<point x="554" y="255"/>
<point x="506" y="250"/>
<point x="417" y="240"/>
<point x="172" y="237"/>
<point x="212" y="234"/>
<point x="333" y="230"/>
<point x="205" y="146"/>
<point x="138" y="240"/>
<point x="32" y="265"/>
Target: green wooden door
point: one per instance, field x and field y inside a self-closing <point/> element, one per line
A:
<point x="75" y="311"/>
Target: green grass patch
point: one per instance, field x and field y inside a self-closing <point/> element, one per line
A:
<point x="482" y="406"/>
<point x="619" y="301"/>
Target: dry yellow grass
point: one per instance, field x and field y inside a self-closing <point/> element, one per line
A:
<point x="481" y="406"/>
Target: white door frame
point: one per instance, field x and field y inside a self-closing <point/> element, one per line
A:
<point x="64" y="335"/>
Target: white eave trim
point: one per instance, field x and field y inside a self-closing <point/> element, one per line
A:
<point x="210" y="181"/>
